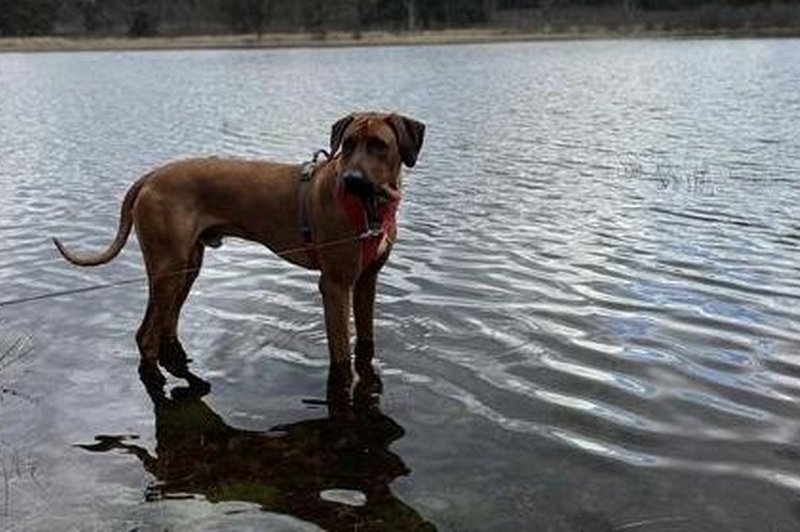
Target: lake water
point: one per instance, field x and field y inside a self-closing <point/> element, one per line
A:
<point x="591" y="319"/>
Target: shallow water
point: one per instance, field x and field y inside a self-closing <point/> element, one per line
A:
<point x="589" y="322"/>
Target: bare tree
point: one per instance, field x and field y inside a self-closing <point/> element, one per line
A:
<point x="489" y="9"/>
<point x="411" y="14"/>
<point x="629" y="7"/>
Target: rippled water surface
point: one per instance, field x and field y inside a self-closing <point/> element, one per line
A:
<point x="589" y="322"/>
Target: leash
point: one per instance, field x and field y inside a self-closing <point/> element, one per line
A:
<point x="368" y="234"/>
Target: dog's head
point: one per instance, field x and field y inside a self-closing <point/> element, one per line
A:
<point x="374" y="146"/>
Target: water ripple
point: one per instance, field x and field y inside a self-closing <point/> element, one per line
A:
<point x="598" y="253"/>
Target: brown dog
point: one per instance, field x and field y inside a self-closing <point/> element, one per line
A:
<point x="314" y="217"/>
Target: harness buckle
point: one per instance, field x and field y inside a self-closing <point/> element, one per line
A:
<point x="371" y="232"/>
<point x="307" y="172"/>
<point x="323" y="153"/>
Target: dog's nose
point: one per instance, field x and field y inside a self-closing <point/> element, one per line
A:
<point x="355" y="182"/>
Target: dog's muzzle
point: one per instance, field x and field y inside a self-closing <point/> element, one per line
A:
<point x="357" y="184"/>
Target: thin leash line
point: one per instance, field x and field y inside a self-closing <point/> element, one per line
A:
<point x="132" y="280"/>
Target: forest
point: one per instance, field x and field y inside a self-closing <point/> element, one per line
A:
<point x="141" y="18"/>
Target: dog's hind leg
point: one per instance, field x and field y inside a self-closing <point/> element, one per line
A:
<point x="163" y="290"/>
<point x="171" y="354"/>
<point x="167" y="256"/>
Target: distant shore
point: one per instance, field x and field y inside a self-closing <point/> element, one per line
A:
<point x="371" y="38"/>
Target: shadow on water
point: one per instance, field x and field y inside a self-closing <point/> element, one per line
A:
<point x="334" y="471"/>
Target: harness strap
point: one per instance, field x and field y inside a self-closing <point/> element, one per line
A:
<point x="374" y="228"/>
<point x="306" y="179"/>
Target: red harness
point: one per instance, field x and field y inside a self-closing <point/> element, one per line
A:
<point x="357" y="213"/>
<point x="387" y="216"/>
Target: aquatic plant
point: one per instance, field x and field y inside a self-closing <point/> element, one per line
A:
<point x="14" y="347"/>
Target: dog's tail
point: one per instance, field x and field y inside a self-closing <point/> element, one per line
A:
<point x="125" y="224"/>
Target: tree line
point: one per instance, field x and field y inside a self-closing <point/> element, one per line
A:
<point x="181" y="17"/>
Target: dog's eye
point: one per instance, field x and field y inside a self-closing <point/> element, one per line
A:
<point x="348" y="146"/>
<point x="377" y="148"/>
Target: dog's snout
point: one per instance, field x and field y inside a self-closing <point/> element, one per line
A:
<point x="356" y="183"/>
<point x="354" y="174"/>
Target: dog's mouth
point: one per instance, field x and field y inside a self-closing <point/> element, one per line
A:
<point x="390" y="192"/>
<point x="356" y="183"/>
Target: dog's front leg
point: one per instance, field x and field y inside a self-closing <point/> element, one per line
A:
<point x="364" y="312"/>
<point x="369" y="382"/>
<point x="336" y="296"/>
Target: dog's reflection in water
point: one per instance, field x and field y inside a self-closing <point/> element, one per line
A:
<point x="334" y="471"/>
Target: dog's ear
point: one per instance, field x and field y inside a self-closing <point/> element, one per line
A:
<point x="410" y="135"/>
<point x="337" y="132"/>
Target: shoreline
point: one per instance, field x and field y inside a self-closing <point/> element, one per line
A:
<point x="370" y="38"/>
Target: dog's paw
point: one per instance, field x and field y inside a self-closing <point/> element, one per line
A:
<point x="197" y="388"/>
<point x="152" y="379"/>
